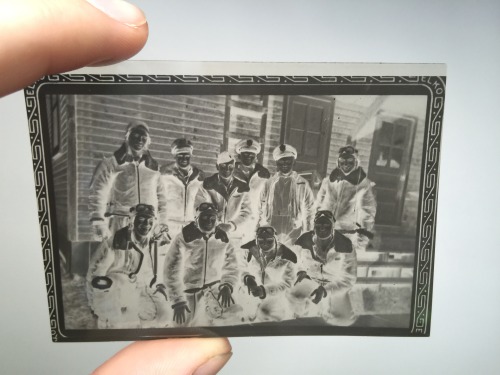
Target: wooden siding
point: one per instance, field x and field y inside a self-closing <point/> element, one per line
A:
<point x="102" y="121"/>
<point x="273" y="131"/>
<point x="60" y="170"/>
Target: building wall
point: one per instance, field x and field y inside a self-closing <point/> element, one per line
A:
<point x="101" y="123"/>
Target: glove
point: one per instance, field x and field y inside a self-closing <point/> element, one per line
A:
<point x="160" y="288"/>
<point x="225" y="296"/>
<point x="221" y="234"/>
<point x="100" y="230"/>
<point x="318" y="294"/>
<point x="180" y="312"/>
<point x="162" y="235"/>
<point x="249" y="282"/>
<point x="301" y="275"/>
<point x="259" y="291"/>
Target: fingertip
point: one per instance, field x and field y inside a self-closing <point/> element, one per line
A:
<point x="169" y="356"/>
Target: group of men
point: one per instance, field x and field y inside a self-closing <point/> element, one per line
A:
<point x="241" y="246"/>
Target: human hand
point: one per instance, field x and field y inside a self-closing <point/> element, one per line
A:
<point x="41" y="37"/>
<point x="301" y="275"/>
<point x="160" y="288"/>
<point x="100" y="231"/>
<point x="180" y="312"/>
<point x="185" y="356"/>
<point x="259" y="291"/>
<point x="225" y="296"/>
<point x="161" y="234"/>
<point x="318" y="294"/>
<point x="250" y="282"/>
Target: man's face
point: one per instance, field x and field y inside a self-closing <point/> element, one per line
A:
<point x="226" y="169"/>
<point x="137" y="139"/>
<point x="285" y="165"/>
<point x="183" y="159"/>
<point x="347" y="164"/>
<point x="247" y="158"/>
<point x="143" y="225"/>
<point x="265" y="243"/>
<point x="323" y="227"/>
<point x="207" y="221"/>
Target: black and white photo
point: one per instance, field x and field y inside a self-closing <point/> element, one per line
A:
<point x="237" y="204"/>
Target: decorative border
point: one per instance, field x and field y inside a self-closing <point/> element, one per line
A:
<point x="434" y="86"/>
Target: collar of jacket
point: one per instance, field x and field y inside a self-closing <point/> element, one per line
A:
<point x="212" y="183"/>
<point x="262" y="172"/>
<point x="195" y="174"/>
<point x="122" y="240"/>
<point x="354" y="178"/>
<point x="293" y="175"/>
<point x="122" y="156"/>
<point x="283" y="252"/>
<point x="341" y="244"/>
<point x="192" y="233"/>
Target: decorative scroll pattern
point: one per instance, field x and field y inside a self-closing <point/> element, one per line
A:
<point x="428" y="197"/>
<point x="37" y="148"/>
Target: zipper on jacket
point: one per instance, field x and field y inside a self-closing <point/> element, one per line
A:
<point x="138" y="183"/>
<point x="185" y="201"/>
<point x="205" y="263"/>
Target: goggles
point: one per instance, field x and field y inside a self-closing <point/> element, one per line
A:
<point x="326" y="214"/>
<point x="347" y="151"/>
<point x="265" y="232"/>
<point x="207" y="207"/>
<point x="143" y="209"/>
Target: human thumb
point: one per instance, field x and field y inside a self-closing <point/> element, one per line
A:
<point x="188" y="356"/>
<point x="40" y="37"/>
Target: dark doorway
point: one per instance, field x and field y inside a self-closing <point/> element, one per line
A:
<point x="389" y="166"/>
<point x="307" y="126"/>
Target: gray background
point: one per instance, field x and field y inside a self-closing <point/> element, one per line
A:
<point x="465" y="333"/>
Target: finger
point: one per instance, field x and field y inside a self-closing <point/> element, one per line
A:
<point x="232" y="300"/>
<point x="187" y="308"/>
<point x="170" y="356"/>
<point x="40" y="37"/>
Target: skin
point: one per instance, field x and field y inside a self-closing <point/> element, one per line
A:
<point x="183" y="159"/>
<point x="137" y="140"/>
<point x="347" y="165"/>
<point x="40" y="37"/>
<point x="265" y="243"/>
<point x="207" y="221"/>
<point x="285" y="165"/>
<point x="142" y="226"/>
<point x="323" y="227"/>
<point x="226" y="169"/>
<point x="247" y="158"/>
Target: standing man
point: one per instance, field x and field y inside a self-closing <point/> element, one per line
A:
<point x="268" y="275"/>
<point x="251" y="173"/>
<point x="201" y="271"/>
<point x="327" y="270"/>
<point x="122" y="283"/>
<point x="229" y="195"/>
<point x="121" y="181"/>
<point x="181" y="183"/>
<point x="348" y="194"/>
<point x="287" y="201"/>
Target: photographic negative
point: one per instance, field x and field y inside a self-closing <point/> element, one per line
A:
<point x="237" y="199"/>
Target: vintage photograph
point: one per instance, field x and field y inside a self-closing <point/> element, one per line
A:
<point x="237" y="209"/>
